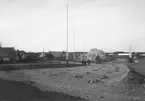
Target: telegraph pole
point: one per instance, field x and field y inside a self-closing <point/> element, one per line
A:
<point x="74" y="47"/>
<point x="130" y="52"/>
<point x="67" y="38"/>
<point x="43" y="54"/>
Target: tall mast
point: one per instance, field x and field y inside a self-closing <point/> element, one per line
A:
<point x="67" y="38"/>
<point x="130" y="53"/>
<point x="74" y="46"/>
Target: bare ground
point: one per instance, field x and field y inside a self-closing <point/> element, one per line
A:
<point x="17" y="91"/>
<point x="98" y="82"/>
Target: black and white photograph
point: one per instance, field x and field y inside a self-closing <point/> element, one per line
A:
<point x="72" y="50"/>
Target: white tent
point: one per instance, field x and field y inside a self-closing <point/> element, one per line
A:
<point x="42" y="55"/>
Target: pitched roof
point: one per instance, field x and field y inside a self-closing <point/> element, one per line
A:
<point x="21" y="51"/>
<point x="56" y="53"/>
<point x="42" y="55"/>
<point x="7" y="51"/>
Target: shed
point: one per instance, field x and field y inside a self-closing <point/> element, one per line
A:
<point x="55" y="55"/>
<point x="9" y="52"/>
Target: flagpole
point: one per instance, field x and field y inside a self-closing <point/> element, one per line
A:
<point x="67" y="38"/>
<point x="130" y="52"/>
<point x="43" y="54"/>
<point x="74" y="47"/>
<point x="130" y="48"/>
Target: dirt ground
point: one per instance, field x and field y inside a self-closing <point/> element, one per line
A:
<point x="97" y="82"/>
<point x="17" y="91"/>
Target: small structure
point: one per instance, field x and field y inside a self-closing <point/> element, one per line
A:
<point x="123" y="55"/>
<point x="55" y="55"/>
<point x="21" y="55"/>
<point x="31" y="56"/>
<point x="84" y="59"/>
<point x="8" y="54"/>
<point x="43" y="56"/>
<point x="61" y="55"/>
<point x="78" y="56"/>
<point x="110" y="56"/>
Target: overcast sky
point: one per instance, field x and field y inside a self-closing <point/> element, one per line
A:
<point x="110" y="25"/>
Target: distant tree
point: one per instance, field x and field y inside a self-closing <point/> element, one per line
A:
<point x="0" y="44"/>
<point x="93" y="53"/>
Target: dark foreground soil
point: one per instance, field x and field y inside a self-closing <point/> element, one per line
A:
<point x="35" y="66"/>
<point x="17" y="91"/>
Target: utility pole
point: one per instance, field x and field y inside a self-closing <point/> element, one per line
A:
<point x="43" y="54"/>
<point x="130" y="52"/>
<point x="67" y="38"/>
<point x="74" y="47"/>
<point x="130" y="48"/>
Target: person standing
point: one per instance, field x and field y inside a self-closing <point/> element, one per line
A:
<point x="88" y="62"/>
<point x="85" y="63"/>
<point x="82" y="61"/>
<point x="1" y="60"/>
